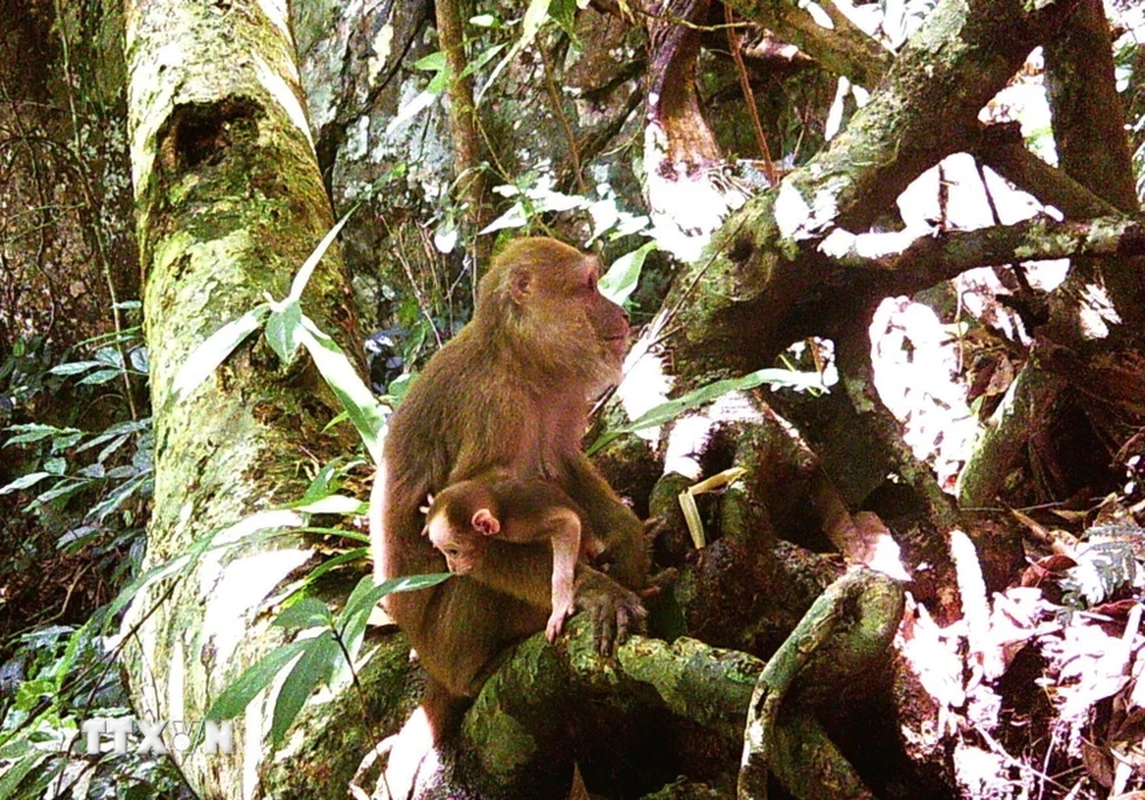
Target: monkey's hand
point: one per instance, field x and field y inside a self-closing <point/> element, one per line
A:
<point x="659" y="582"/>
<point x="557" y="621"/>
<point x="616" y="612"/>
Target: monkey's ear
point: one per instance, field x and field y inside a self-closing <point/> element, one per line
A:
<point x="484" y="522"/>
<point x="520" y="283"/>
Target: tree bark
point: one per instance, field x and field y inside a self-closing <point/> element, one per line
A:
<point x="230" y="203"/>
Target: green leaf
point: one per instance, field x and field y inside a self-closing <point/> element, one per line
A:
<point x="367" y="414"/>
<point x="112" y="447"/>
<point x="367" y="594"/>
<point x="317" y="663"/>
<point x="564" y="12"/>
<point x="621" y="279"/>
<point x="282" y="330"/>
<point x="307" y="268"/>
<point x="101" y="377"/>
<point x="666" y="412"/>
<point x="434" y="62"/>
<point x="56" y="466"/>
<point x="333" y="504"/>
<point x="356" y="614"/>
<point x="482" y="59"/>
<point x="119" y="429"/>
<point x="24" y="481"/>
<point x="10" y="781"/>
<point x="234" y="699"/>
<point x="75" y="367"/>
<point x="305" y="613"/>
<point x="535" y="15"/>
<point x="65" y="440"/>
<point x="206" y="358"/>
<point x="110" y="356"/>
<point x="325" y="483"/>
<point x="120" y="495"/>
<point x="62" y="490"/>
<point x="349" y="557"/>
<point x="34" y="432"/>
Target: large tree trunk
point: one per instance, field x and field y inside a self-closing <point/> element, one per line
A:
<point x="230" y="203"/>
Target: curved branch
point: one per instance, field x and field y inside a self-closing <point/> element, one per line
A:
<point x="843" y="637"/>
<point x="930" y="259"/>
<point x="844" y="49"/>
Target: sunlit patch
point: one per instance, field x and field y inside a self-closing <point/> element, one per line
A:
<point x="646" y="383"/>
<point x="915" y="362"/>
<point x="1096" y="312"/>
<point x="239" y="587"/>
<point x="413" y="758"/>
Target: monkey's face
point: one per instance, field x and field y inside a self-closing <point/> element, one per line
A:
<point x="547" y="291"/>
<point x="458" y="560"/>
<point x="609" y="321"/>
<point x="460" y="548"/>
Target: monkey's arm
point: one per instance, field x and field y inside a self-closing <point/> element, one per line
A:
<point x="620" y="532"/>
<point x="564" y="526"/>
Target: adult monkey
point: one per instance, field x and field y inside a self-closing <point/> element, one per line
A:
<point x="510" y="392"/>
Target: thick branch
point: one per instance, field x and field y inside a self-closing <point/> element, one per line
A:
<point x="931" y="259"/>
<point x="925" y="109"/>
<point x="844" y="49"/>
<point x="1001" y="148"/>
<point x="1088" y="118"/>
<point x="686" y="699"/>
<point x="462" y="113"/>
<point x="1089" y="129"/>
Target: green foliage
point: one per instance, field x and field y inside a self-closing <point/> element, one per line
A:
<point x="435" y="63"/>
<point x="90" y="487"/>
<point x="666" y="412"/>
<point x="116" y="479"/>
<point x="535" y="16"/>
<point x="1106" y="566"/>
<point x="67" y="676"/>
<point x="620" y="281"/>
<point x="314" y="660"/>
<point x="286" y="329"/>
<point x="322" y="658"/>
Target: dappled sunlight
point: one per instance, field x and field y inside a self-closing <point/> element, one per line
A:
<point x="916" y="361"/>
<point x="412" y="756"/>
<point x="239" y="586"/>
<point x="646" y="383"/>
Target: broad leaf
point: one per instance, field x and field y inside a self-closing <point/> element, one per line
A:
<point x="24" y="481"/>
<point x="620" y="281"/>
<point x="317" y="663"/>
<point x="306" y="613"/>
<point x="234" y="699"/>
<point x="282" y="329"/>
<point x="307" y="268"/>
<point x="206" y="358"/>
<point x="365" y="412"/>
<point x="666" y="412"/>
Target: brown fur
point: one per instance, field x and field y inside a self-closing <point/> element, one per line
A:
<point x="511" y="393"/>
<point x="469" y="515"/>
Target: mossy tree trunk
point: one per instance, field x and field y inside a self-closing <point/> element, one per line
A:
<point x="230" y="203"/>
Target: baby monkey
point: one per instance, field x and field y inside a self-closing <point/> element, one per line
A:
<point x="464" y="519"/>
